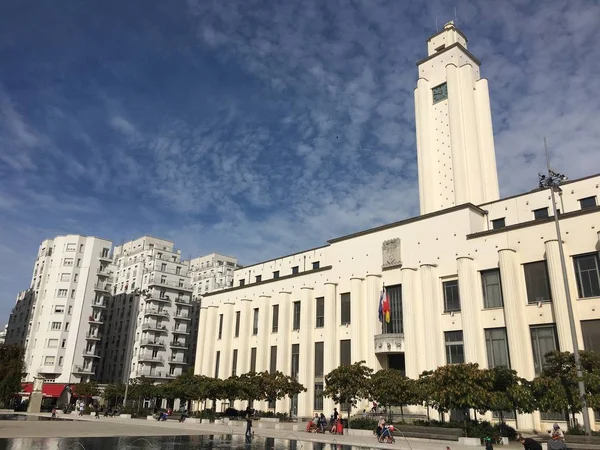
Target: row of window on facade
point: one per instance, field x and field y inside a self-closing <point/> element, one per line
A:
<point x="276" y="274"/>
<point x="543" y="213"/>
<point x="587" y="274"/>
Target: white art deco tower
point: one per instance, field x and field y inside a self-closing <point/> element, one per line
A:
<point x="455" y="142"/>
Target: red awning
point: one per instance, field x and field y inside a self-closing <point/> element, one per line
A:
<point x="53" y="390"/>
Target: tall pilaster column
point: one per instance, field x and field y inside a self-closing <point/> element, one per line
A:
<point x="432" y="304"/>
<point x="475" y="181"/>
<point x="411" y="311"/>
<point x="200" y="350"/>
<point x="559" y="299"/>
<point x="471" y="299"/>
<point x="330" y="342"/>
<point x="306" y="374"/>
<point x="228" y="324"/>
<point x="457" y="139"/>
<point x="208" y="360"/>
<point x="264" y="326"/>
<point x="356" y="322"/>
<point x="485" y="134"/>
<point x="425" y="154"/>
<point x="244" y="339"/>
<point x="517" y="330"/>
<point x="284" y="349"/>
<point x="372" y="325"/>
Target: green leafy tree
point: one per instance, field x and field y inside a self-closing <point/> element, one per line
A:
<point x="346" y="385"/>
<point x="275" y="386"/>
<point x="142" y="388"/>
<point x="86" y="390"/>
<point x="11" y="371"/>
<point x="390" y="387"/>
<point x="460" y="386"/>
<point x="424" y="391"/>
<point x="184" y="387"/>
<point x="247" y="386"/>
<point x="114" y="393"/>
<point x="509" y="392"/>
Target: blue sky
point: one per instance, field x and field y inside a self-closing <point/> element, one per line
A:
<point x="259" y="128"/>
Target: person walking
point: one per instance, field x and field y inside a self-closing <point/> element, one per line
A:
<point x="248" y="421"/>
<point x="81" y="408"/>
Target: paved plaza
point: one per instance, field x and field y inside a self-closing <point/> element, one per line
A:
<point x="87" y="426"/>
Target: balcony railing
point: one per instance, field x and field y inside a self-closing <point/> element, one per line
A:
<point x="93" y="336"/>
<point x="103" y="287"/>
<point x="105" y="256"/>
<point x="172" y="284"/>
<point x="175" y="360"/>
<point x="150" y="358"/>
<point x="181" y="345"/>
<point x="156" y="312"/>
<point x="182" y="273"/>
<point x="154" y="374"/>
<point x="83" y="370"/>
<point x="183" y="300"/>
<point x="103" y="272"/>
<point x="152" y="327"/>
<point x="158" y="298"/>
<point x="152" y="343"/>
<point x="98" y="304"/>
<point x="179" y="331"/>
<point x="91" y="354"/>
<point x="96" y="319"/>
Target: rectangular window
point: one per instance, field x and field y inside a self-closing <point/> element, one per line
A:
<point x="60" y="361"/>
<point x="537" y="282"/>
<point x="591" y="335"/>
<point x="497" y="347"/>
<point x="345" y="352"/>
<point x="276" y="274"/>
<point x="237" y="323"/>
<point x="345" y="308"/>
<point x="65" y="277"/>
<point x="258" y="278"/>
<point x="253" y="359"/>
<point x="255" y="322"/>
<point x="52" y="343"/>
<point x="62" y="292"/>
<point x="587" y="272"/>
<point x="242" y="282"/>
<point x="455" y="351"/>
<point x="395" y="326"/>
<point x="234" y="363"/>
<point x="68" y="262"/>
<point x="220" y="326"/>
<point x="320" y="319"/>
<point x="543" y="341"/>
<point x="296" y="321"/>
<point x="49" y="361"/>
<point x="273" y="360"/>
<point x="541" y="213"/>
<point x="451" y="297"/>
<point x="295" y="360"/>
<point x="440" y="93"/>
<point x="71" y="247"/>
<point x="315" y="265"/>
<point x="217" y="363"/>
<point x="498" y="223"/>
<point x="275" y="323"/>
<point x="318" y="404"/>
<point x="63" y="344"/>
<point x="295" y="270"/>
<point x="588" y="202"/>
<point x="319" y="359"/>
<point x="59" y="309"/>
<point x="492" y="290"/>
<point x="56" y="325"/>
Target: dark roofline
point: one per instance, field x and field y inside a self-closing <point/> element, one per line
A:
<point x="410" y="220"/>
<point x="538" y="189"/>
<point x="532" y="223"/>
<point x="450" y="47"/>
<point x="270" y="280"/>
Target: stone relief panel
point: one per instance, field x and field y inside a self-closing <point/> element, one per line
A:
<point x="390" y="251"/>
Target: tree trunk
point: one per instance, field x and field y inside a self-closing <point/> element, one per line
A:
<point x="402" y="413"/>
<point x="428" y="418"/>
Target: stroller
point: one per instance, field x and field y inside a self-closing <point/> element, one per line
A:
<point x="387" y="434"/>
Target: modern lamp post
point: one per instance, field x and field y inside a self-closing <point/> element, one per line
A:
<point x="552" y="180"/>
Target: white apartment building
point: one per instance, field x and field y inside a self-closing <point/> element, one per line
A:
<point x="474" y="278"/>
<point x="149" y="313"/>
<point x="211" y="273"/>
<point x="58" y="319"/>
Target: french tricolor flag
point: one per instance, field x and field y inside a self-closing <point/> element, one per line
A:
<point x="384" y="307"/>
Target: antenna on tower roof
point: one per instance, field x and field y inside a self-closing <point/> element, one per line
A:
<point x="455" y="18"/>
<point x="436" y="25"/>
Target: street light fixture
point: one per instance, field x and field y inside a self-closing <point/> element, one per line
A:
<point x="552" y="180"/>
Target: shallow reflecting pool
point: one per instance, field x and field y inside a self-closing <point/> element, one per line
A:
<point x="165" y="443"/>
<point x="24" y="417"/>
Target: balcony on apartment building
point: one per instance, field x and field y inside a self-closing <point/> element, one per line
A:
<point x="152" y="343"/>
<point x="180" y="272"/>
<point x="154" y="327"/>
<point x="177" y="360"/>
<point x="84" y="370"/>
<point x="149" y="358"/>
<point x="97" y="319"/>
<point x="178" y="345"/>
<point x="93" y="336"/>
<point x="103" y="272"/>
<point x="154" y="374"/>
<point x="182" y="315"/>
<point x="105" y="256"/>
<point x="183" y="300"/>
<point x="91" y="353"/>
<point x="156" y="312"/>
<point x="157" y="297"/>
<point x="180" y="331"/>
<point x="103" y="287"/>
<point x="161" y="281"/>
<point x="99" y="303"/>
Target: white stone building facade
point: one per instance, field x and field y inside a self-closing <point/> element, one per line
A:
<point x="472" y="279"/>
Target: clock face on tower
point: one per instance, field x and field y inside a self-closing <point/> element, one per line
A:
<point x="440" y="93"/>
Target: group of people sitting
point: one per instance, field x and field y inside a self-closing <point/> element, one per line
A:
<point x="556" y="442"/>
<point x="319" y="424"/>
